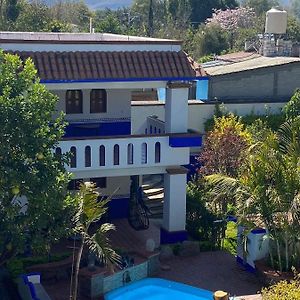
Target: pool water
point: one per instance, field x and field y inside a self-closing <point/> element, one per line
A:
<point x="158" y="289"/>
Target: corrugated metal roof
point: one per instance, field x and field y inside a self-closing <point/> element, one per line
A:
<point x="250" y="64"/>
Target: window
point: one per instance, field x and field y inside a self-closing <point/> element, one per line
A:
<point x="144" y="153"/>
<point x="102" y="156"/>
<point x="73" y="163"/>
<point x="99" y="181"/>
<point x="130" y="154"/>
<point x="87" y="154"/>
<point x="157" y="152"/>
<point x="75" y="184"/>
<point x="58" y="152"/>
<point x="98" y="101"/>
<point x="116" y="155"/>
<point x="74" y="102"/>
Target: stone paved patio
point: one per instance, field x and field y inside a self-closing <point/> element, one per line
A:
<point x="208" y="270"/>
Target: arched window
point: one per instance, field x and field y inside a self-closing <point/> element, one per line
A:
<point x="157" y="152"/>
<point x="98" y="101"/>
<point x="150" y="129"/>
<point x="87" y="156"/>
<point x="130" y="154"/>
<point x="146" y="131"/>
<point x="73" y="163"/>
<point x="74" y="102"/>
<point x="58" y="152"/>
<point x="102" y="156"/>
<point x="116" y="155"/>
<point x="155" y="129"/>
<point x="159" y="131"/>
<point x="144" y="153"/>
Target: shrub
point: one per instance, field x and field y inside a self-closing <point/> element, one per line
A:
<point x="200" y="220"/>
<point x="283" y="290"/>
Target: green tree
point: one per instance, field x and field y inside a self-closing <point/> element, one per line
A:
<point x="34" y="16"/>
<point x="89" y="211"/>
<point x="292" y="108"/>
<point x="208" y="39"/>
<point x="108" y="23"/>
<point x="293" y="29"/>
<point x="31" y="175"/>
<point x="260" y="6"/>
<point x="269" y="187"/>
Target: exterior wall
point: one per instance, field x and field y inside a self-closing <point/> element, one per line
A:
<point x="140" y="112"/>
<point x="273" y="83"/>
<point x="118" y="105"/>
<point x="61" y="47"/>
<point x="199" y="112"/>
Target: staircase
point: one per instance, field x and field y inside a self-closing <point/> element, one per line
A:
<point x="153" y="195"/>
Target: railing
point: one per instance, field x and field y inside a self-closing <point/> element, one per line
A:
<point x="122" y="152"/>
<point x="155" y="125"/>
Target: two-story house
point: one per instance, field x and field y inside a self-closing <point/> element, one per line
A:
<point x="94" y="76"/>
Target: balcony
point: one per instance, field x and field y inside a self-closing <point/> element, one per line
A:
<point x="130" y="155"/>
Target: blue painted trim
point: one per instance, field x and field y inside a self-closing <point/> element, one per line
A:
<point x="167" y="237"/>
<point x="248" y="268"/>
<point x="185" y="141"/>
<point x="124" y="79"/>
<point x="98" y="129"/>
<point x="118" y="208"/>
<point x="258" y="231"/>
<point x="155" y="284"/>
<point x="231" y="218"/>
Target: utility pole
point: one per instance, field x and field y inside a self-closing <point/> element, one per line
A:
<point x="150" y="19"/>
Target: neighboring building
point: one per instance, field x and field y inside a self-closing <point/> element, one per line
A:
<point x="94" y="76"/>
<point x="243" y="76"/>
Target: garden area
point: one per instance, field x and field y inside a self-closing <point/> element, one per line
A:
<point x="249" y="168"/>
<point x="248" y="176"/>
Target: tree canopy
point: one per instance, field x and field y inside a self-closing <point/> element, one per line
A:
<point x="34" y="206"/>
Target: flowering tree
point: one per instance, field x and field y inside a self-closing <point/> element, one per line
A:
<point x="232" y="20"/>
<point x="223" y="147"/>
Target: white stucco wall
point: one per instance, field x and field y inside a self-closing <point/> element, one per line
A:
<point x="118" y="105"/>
<point x="198" y="112"/>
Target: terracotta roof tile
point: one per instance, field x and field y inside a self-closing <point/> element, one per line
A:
<point x="113" y="65"/>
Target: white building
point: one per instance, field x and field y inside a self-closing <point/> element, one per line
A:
<point x="94" y="76"/>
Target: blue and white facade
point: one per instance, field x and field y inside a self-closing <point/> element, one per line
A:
<point x="105" y="147"/>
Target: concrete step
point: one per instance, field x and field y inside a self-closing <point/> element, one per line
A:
<point x="158" y="197"/>
<point x="153" y="191"/>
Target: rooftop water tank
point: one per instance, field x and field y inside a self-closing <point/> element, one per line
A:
<point x="276" y="21"/>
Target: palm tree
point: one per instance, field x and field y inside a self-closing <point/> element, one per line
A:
<point x="268" y="189"/>
<point x="89" y="211"/>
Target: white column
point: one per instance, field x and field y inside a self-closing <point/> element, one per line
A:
<point x="174" y="210"/>
<point x="176" y="108"/>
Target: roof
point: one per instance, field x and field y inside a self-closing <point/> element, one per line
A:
<point x="113" y="66"/>
<point x="238" y="56"/>
<point x="78" y="38"/>
<point x="256" y="62"/>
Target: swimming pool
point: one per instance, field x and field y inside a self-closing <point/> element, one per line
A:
<point x="158" y="289"/>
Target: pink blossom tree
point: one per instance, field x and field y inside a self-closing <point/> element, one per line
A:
<point x="231" y="20"/>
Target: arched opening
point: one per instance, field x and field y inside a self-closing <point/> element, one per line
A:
<point x="116" y="155"/>
<point x="144" y="153"/>
<point x="73" y="162"/>
<point x="87" y="156"/>
<point x="150" y="129"/>
<point x="130" y="154"/>
<point x="58" y="152"/>
<point x="98" y="101"/>
<point x="74" y="102"/>
<point x="157" y="152"/>
<point x="102" y="156"/>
